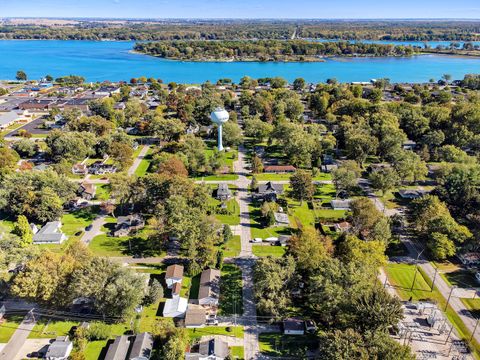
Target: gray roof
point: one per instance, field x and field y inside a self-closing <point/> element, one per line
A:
<point x="215" y="346"/>
<point x="195" y="315"/>
<point x="293" y="324"/>
<point x="223" y="190"/>
<point x="341" y="204"/>
<point x="142" y="347"/>
<point x="270" y="188"/>
<point x="209" y="284"/>
<point x="281" y="218"/>
<point x="50" y="233"/>
<point x="60" y="348"/>
<point x="118" y="350"/>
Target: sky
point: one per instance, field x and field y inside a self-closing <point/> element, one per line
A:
<point x="319" y="9"/>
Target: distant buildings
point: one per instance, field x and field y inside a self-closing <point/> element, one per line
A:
<point x="51" y="233"/>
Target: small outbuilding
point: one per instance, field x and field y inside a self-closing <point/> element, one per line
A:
<point x="60" y="349"/>
<point x="281" y="219"/>
<point x="293" y="326"/>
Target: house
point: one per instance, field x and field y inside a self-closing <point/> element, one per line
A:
<point x="342" y="227"/>
<point x="86" y="190"/>
<point x="119" y="349"/>
<point x="80" y="169"/>
<point x="223" y="192"/>
<point x="209" y="291"/>
<point x="279" y="169"/>
<point x="60" y="349"/>
<point x="409" y="145"/>
<point x="328" y="168"/>
<point x="213" y="349"/>
<point x="411" y="194"/>
<point x="283" y="240"/>
<point x="176" y="289"/>
<point x="82" y="104"/>
<point x="175" y="307"/>
<point x="105" y="91"/>
<point x="281" y="219"/>
<point x="8" y="119"/>
<point x="51" y="233"/>
<point x="99" y="168"/>
<point x="174" y="275"/>
<point x="195" y="316"/>
<point x="128" y="224"/>
<point x="341" y="204"/>
<point x="293" y="327"/>
<point x="269" y="191"/>
<point x="142" y="347"/>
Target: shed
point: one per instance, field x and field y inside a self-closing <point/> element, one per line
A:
<point x="293" y="326"/>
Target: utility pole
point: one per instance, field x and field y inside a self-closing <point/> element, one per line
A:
<point x="473" y="332"/>
<point x="434" y="278"/>
<point x="416" y="269"/>
<point x="449" y="296"/>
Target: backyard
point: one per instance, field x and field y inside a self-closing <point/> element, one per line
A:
<point x="231" y="290"/>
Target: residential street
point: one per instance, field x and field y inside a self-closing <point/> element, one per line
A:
<point x="246" y="260"/>
<point x="18" y="338"/>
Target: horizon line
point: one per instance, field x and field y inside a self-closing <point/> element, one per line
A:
<point x="237" y="18"/>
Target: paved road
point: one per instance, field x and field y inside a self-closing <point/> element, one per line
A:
<point x="18" y="338"/>
<point x="96" y="229"/>
<point x="246" y="261"/>
<point x="413" y="254"/>
<point x="138" y="160"/>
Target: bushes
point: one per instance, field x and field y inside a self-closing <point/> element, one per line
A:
<point x="98" y="331"/>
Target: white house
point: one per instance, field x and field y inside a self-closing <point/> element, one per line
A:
<point x="60" y="349"/>
<point x="51" y="233"/>
<point x="176" y="307"/>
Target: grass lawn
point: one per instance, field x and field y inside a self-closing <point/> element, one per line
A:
<point x="279" y="345"/>
<point x="103" y="192"/>
<point x="232" y="247"/>
<point x="45" y="329"/>
<point x="257" y="228"/>
<point x="237" y="352"/>
<point x="144" y="165"/>
<point x="401" y="276"/>
<point x="233" y="208"/>
<point x="195" y="334"/>
<point x="94" y="349"/>
<point x="8" y="327"/>
<point x="149" y="317"/>
<point x="267" y="250"/>
<point x="220" y="177"/>
<point x="460" y="278"/>
<point x="473" y="305"/>
<point x="231" y="290"/>
<point x="77" y="221"/>
<point x="11" y="128"/>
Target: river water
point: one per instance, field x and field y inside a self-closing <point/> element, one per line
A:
<point x="114" y="61"/>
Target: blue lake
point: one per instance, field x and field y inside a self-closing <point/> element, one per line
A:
<point x="98" y="61"/>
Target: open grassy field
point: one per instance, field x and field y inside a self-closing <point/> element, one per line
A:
<point x="195" y="334"/>
<point x="233" y="218"/>
<point x="77" y="221"/>
<point x="45" y="328"/>
<point x="267" y="250"/>
<point x="103" y="192"/>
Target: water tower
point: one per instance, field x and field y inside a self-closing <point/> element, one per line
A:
<point x="219" y="116"/>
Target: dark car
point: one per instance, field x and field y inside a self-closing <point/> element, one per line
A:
<point x="89" y="227"/>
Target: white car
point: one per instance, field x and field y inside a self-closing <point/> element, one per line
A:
<point x="256" y="240"/>
<point x="272" y="239"/>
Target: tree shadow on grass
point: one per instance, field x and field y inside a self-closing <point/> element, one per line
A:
<point x="231" y="290"/>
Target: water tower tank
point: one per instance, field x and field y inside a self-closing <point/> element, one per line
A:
<point x="219" y="116"/>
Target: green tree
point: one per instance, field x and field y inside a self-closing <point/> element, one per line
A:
<point x="257" y="165"/>
<point x="22" y="229"/>
<point x="302" y="187"/>
<point x="410" y="167"/>
<point x="384" y="180"/>
<point x="299" y="84"/>
<point x="21" y="75"/>
<point x="8" y="159"/>
<point x="440" y="246"/>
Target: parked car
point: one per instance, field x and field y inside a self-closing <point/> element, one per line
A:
<point x="256" y="240"/>
<point x="89" y="227"/>
<point x="212" y="320"/>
